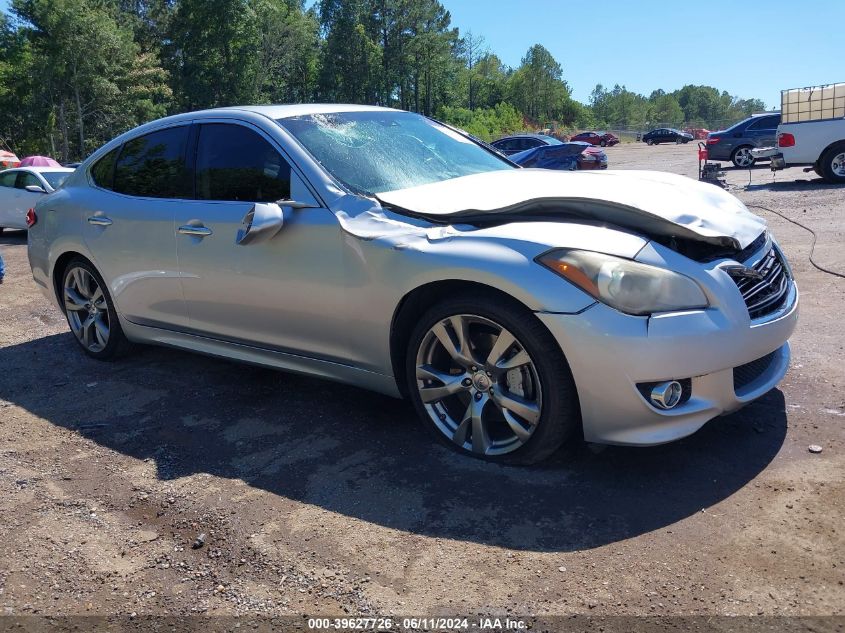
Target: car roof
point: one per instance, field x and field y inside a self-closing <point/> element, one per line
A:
<point x="285" y="111"/>
<point x="39" y="170"/>
<point x="48" y="170"/>
<point x="526" y="135"/>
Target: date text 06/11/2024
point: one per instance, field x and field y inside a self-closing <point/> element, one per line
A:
<point x="415" y="624"/>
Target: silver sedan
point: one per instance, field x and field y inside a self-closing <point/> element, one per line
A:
<point x="513" y="307"/>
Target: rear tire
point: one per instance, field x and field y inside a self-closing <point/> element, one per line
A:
<point x="90" y="311"/>
<point x="742" y="158"/>
<point x="603" y="143"/>
<point x="832" y="164"/>
<point x="510" y="400"/>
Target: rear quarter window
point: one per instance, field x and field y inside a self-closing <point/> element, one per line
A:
<point x="102" y="173"/>
<point x="7" y="178"/>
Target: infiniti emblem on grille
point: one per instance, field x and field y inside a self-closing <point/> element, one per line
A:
<point x="743" y="271"/>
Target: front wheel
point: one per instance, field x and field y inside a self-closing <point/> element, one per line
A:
<point x="649" y="142"/>
<point x="90" y="311"/>
<point x="489" y="380"/>
<point x="832" y="164"/>
<point x="742" y="157"/>
<point x="603" y="143"/>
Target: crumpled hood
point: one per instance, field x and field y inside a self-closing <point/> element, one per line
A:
<point x="657" y="203"/>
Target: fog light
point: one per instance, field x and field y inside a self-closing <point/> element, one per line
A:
<point x="666" y="395"/>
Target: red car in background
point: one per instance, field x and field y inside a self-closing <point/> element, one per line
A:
<point x="594" y="138"/>
<point x="698" y="133"/>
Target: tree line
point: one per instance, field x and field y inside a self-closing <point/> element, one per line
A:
<point x="75" y="73"/>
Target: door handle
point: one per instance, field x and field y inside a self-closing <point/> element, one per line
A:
<point x="196" y="231"/>
<point x="99" y="220"/>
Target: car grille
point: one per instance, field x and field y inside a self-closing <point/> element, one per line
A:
<point x="746" y="374"/>
<point x="766" y="295"/>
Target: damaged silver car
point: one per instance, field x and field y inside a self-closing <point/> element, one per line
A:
<point x="513" y="307"/>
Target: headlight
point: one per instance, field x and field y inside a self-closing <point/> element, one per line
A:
<point x="626" y="285"/>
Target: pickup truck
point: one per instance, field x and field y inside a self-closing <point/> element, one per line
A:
<point x="811" y="132"/>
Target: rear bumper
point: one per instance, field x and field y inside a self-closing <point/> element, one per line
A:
<point x="610" y="353"/>
<point x="771" y="153"/>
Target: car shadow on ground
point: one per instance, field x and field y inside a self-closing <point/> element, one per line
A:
<point x="363" y="455"/>
<point x="802" y="184"/>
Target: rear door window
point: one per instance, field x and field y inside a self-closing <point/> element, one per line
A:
<point x="27" y="179"/>
<point x="765" y="123"/>
<point x="153" y="165"/>
<point x="236" y="163"/>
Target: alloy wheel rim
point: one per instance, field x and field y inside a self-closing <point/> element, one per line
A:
<point x="87" y="309"/>
<point x="837" y="165"/>
<point x="743" y="157"/>
<point x="479" y="385"/>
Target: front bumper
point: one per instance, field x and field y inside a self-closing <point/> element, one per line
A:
<point x="609" y="353"/>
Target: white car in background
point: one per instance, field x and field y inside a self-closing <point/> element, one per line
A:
<point x="22" y="187"/>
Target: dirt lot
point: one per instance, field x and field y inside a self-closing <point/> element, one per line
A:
<point x="321" y="499"/>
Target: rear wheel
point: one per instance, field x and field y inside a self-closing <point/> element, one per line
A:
<point x="742" y="157"/>
<point x="90" y="311"/>
<point x="488" y="380"/>
<point x="603" y="143"/>
<point x="832" y="164"/>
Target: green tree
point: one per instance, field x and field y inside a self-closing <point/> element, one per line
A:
<point x="88" y="78"/>
<point x="351" y="59"/>
<point x="287" y="52"/>
<point x="537" y="86"/>
<point x="211" y="53"/>
<point x="665" y="110"/>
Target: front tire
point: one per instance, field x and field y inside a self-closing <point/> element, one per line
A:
<point x="603" y="143"/>
<point x="90" y="311"/>
<point x="832" y="164"/>
<point x="649" y="142"/>
<point x="742" y="158"/>
<point x="489" y="380"/>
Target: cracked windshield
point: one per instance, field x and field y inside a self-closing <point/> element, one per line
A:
<point x="374" y="152"/>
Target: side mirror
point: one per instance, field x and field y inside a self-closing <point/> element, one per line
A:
<point x="35" y="189"/>
<point x="261" y="223"/>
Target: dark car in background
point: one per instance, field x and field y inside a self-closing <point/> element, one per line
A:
<point x="563" y="156"/>
<point x="735" y="143"/>
<point x="666" y="135"/>
<point x="509" y="145"/>
<point x="603" y="139"/>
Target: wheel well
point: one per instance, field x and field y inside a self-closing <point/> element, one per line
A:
<point x="59" y="271"/>
<point x="830" y="147"/>
<point x="415" y="303"/>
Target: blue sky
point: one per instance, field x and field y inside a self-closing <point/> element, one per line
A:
<point x="750" y="49"/>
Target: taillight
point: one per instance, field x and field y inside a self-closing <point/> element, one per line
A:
<point x="31" y="218"/>
<point x="785" y="139"/>
<point x="713" y="140"/>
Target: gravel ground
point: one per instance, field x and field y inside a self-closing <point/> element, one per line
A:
<point x="321" y="499"/>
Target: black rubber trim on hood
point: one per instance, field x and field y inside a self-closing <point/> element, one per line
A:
<point x="591" y="210"/>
